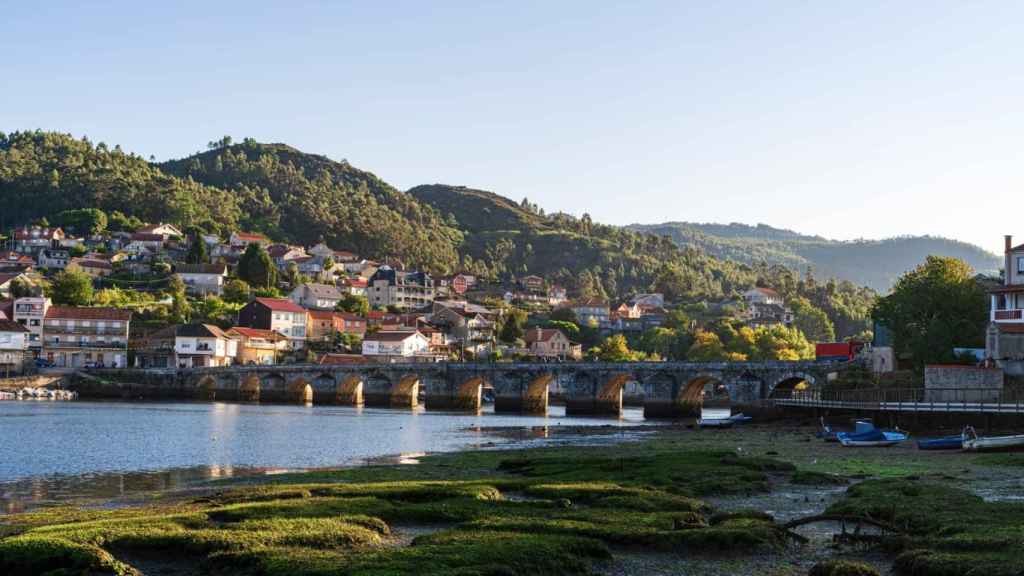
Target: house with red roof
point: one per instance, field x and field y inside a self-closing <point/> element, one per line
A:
<point x="243" y="239"/>
<point x="29" y="240"/>
<point x="552" y="343"/>
<point x="278" y="314"/>
<point x="75" y="337"/>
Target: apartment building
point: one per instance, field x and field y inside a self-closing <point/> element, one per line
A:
<point x="75" y="337"/>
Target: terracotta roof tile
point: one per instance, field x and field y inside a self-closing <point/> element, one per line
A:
<point x="280" y="304"/>
<point x="84" y="313"/>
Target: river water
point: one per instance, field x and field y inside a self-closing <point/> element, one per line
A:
<point x="57" y="451"/>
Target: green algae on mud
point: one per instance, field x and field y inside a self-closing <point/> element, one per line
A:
<point x="558" y="511"/>
<point x="537" y="512"/>
<point x="943" y="530"/>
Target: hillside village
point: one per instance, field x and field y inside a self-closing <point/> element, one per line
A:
<point x="160" y="297"/>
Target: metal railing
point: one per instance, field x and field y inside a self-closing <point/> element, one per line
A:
<point x="113" y="344"/>
<point x="910" y="399"/>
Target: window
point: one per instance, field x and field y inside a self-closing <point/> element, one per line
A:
<point x="1020" y="265"/>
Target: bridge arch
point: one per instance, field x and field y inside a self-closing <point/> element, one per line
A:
<point x="785" y="384"/>
<point x="207" y="388"/>
<point x="249" y="388"/>
<point x="300" y="391"/>
<point x="273" y="388"/>
<point x="349" y="391"/>
<point x="525" y="392"/>
<point x="324" y="388"/>
<point x="469" y="394"/>
<point x="690" y="395"/>
<point x="406" y="392"/>
<point x="660" y="391"/>
<point x="599" y="393"/>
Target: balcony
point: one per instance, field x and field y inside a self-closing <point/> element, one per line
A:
<point x="113" y="345"/>
<point x="1011" y="315"/>
<point x="85" y="330"/>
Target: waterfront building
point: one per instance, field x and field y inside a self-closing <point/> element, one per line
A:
<point x="187" y="346"/>
<point x="1004" y="338"/>
<point x="75" y="337"/>
<point x="13" y="348"/>
<point x="257" y="346"/>
<point x="30" y="312"/>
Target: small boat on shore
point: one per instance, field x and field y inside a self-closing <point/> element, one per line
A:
<point x="942" y="443"/>
<point x="830" y="434"/>
<point x="723" y="422"/>
<point x="974" y="443"/>
<point x="873" y="439"/>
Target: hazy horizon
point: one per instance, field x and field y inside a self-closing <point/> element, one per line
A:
<point x="865" y="120"/>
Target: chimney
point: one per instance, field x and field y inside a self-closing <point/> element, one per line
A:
<point x="1007" y="273"/>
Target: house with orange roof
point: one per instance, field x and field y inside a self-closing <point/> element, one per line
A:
<point x="243" y="239"/>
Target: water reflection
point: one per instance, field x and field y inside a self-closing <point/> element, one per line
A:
<point x="58" y="451"/>
<point x="21" y="495"/>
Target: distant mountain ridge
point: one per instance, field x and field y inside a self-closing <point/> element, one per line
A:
<point x="874" y="263"/>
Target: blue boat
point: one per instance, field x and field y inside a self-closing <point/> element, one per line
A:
<point x="943" y="443"/>
<point x="873" y="438"/>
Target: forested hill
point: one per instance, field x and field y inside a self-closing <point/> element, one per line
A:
<point x="504" y="239"/>
<point x="303" y="198"/>
<point x="874" y="263"/>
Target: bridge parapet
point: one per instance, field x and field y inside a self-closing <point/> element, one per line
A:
<point x="670" y="389"/>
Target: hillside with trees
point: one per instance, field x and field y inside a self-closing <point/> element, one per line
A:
<point x="302" y="198"/>
<point x="305" y="198"/>
<point x="874" y="263"/>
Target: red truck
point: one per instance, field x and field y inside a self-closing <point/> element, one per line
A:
<point x="837" y="351"/>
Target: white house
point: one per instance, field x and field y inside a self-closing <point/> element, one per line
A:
<point x="759" y="295"/>
<point x="166" y="230"/>
<point x="13" y="347"/>
<point x="203" y="279"/>
<point x="54" y="258"/>
<point x="395" y="343"/>
<point x="187" y="346"/>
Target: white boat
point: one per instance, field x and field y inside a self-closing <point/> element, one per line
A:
<point x="974" y="443"/>
<point x="723" y="422"/>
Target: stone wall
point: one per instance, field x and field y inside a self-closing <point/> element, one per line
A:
<point x="953" y="383"/>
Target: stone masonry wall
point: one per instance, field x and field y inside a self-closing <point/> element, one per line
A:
<point x="951" y="383"/>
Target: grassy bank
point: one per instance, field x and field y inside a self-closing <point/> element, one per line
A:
<point x="560" y="511"/>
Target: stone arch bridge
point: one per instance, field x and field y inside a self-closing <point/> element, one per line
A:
<point x="670" y="389"/>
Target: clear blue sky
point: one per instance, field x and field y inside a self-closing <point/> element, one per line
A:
<point x="845" y="119"/>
